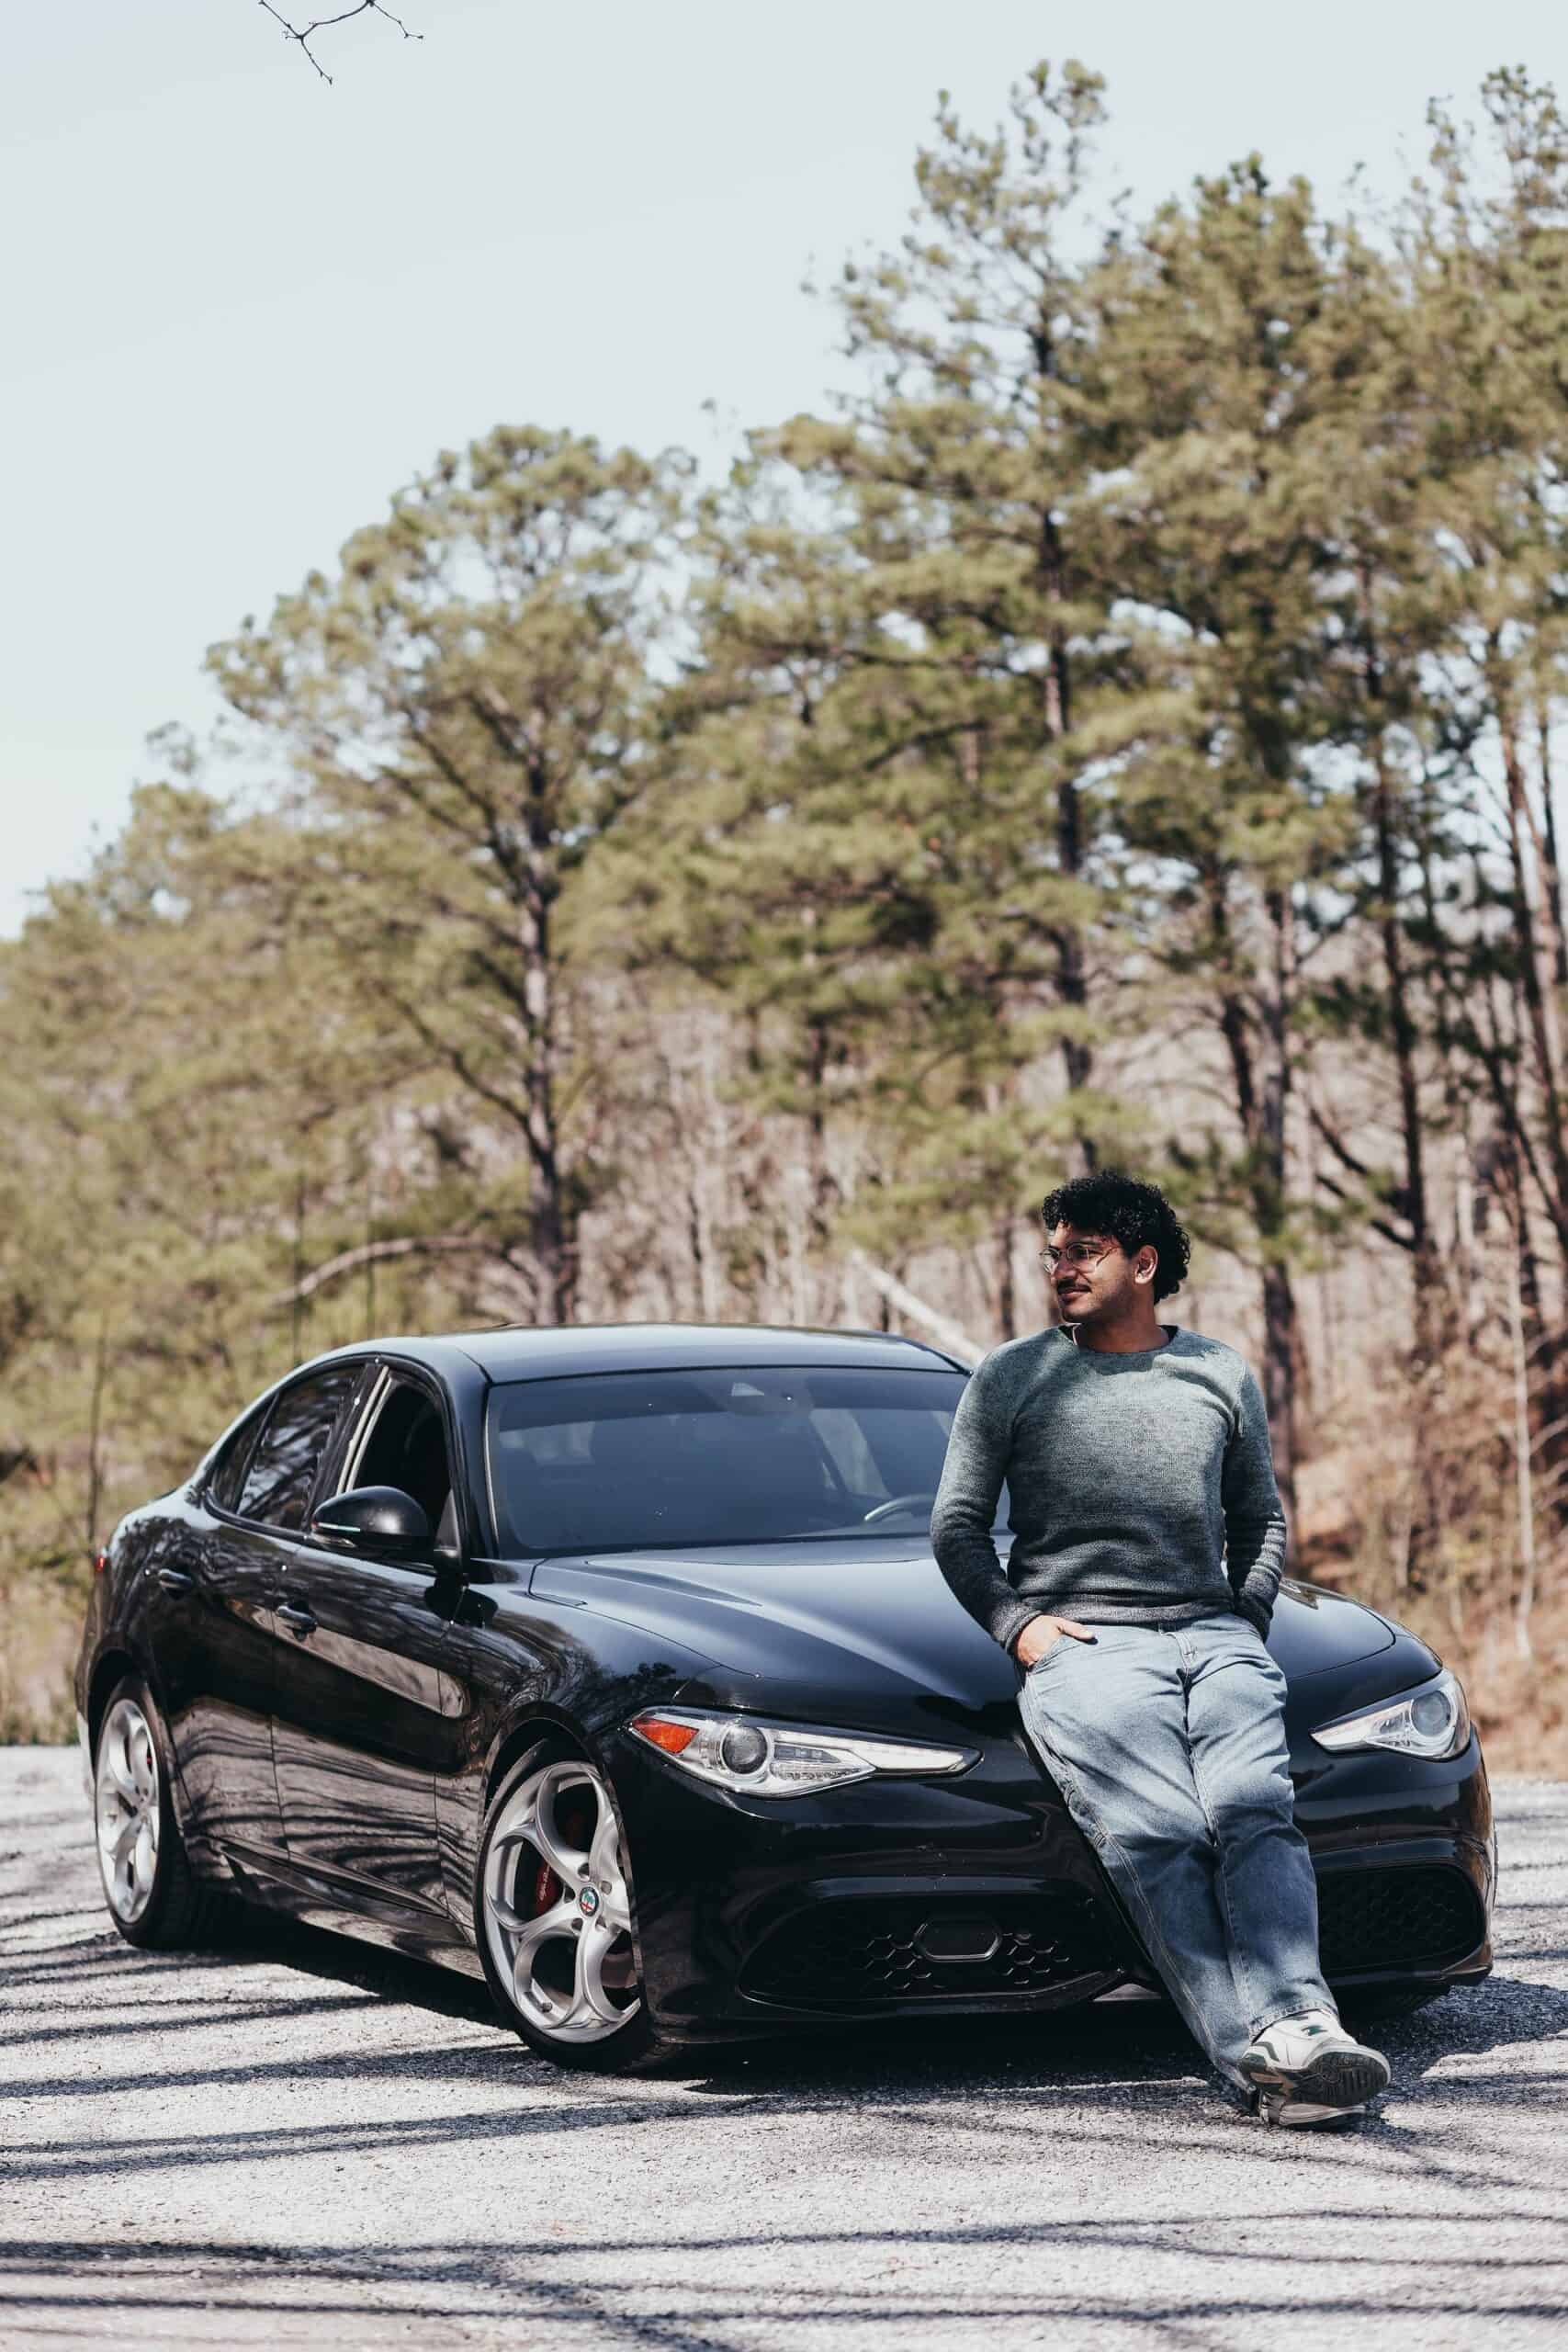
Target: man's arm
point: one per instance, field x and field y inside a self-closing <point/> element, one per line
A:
<point x="1255" y="1523"/>
<point x="965" y="1508"/>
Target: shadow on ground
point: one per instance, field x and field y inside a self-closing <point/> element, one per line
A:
<point x="1121" y="2043"/>
<point x="1120" y="2078"/>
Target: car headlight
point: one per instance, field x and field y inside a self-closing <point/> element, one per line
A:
<point x="1432" y="1721"/>
<point x="770" y="1760"/>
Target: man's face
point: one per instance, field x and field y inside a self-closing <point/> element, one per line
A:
<point x="1093" y="1275"/>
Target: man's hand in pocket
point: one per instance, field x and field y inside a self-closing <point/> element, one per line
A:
<point x="1041" y="1631"/>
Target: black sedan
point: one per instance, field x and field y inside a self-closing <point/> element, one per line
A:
<point x="615" y="1663"/>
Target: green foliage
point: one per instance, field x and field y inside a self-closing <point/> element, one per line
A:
<point x="1123" y="729"/>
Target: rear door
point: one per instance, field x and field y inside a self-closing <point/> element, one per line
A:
<point x="363" y="1711"/>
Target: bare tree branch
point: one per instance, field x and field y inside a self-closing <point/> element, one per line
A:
<point x="1377" y="1224"/>
<point x="371" y="1253"/>
<point x="899" y="1295"/>
<point x="320" y="24"/>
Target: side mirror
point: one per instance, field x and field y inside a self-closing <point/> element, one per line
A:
<point x="375" y="1519"/>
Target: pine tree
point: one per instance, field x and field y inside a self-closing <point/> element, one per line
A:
<point x="1220" y="328"/>
<point x="461" y="708"/>
<point x="884" y="826"/>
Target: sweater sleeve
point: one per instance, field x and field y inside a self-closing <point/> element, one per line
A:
<point x="1255" y="1523"/>
<point x="966" y="1507"/>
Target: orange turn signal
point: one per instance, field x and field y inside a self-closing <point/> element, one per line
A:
<point x="659" y="1731"/>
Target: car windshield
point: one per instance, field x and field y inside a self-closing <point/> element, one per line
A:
<point x="618" y="1461"/>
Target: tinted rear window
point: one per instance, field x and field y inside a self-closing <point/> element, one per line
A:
<point x="620" y="1460"/>
<point x="283" y="1467"/>
<point x="227" y="1480"/>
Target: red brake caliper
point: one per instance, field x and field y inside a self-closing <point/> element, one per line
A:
<point x="548" y="1887"/>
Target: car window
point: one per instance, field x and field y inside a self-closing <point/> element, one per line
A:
<point x="224" y="1487"/>
<point x="406" y="1447"/>
<point x="283" y="1467"/>
<point x="850" y="1449"/>
<point x="727" y="1455"/>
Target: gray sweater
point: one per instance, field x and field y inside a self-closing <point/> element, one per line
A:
<point x="1141" y="1486"/>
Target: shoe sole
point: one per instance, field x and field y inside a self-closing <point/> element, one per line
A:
<point x="1336" y="2078"/>
<point x="1314" y="2119"/>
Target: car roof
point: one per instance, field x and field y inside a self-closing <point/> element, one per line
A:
<point x="539" y="1352"/>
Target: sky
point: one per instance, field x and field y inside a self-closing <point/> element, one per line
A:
<point x="241" y="306"/>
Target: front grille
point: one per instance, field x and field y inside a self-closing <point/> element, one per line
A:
<point x="856" y="1953"/>
<point x="1412" y="1919"/>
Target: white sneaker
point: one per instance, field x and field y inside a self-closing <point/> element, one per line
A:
<point x="1310" y="2059"/>
<point x="1275" y="2107"/>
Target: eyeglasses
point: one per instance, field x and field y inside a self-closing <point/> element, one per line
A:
<point x="1082" y="1254"/>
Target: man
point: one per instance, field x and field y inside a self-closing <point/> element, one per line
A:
<point x="1148" y="1543"/>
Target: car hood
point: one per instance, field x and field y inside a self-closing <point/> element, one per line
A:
<point x="860" y="1631"/>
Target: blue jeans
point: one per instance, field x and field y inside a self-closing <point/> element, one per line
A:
<point x="1168" y="1745"/>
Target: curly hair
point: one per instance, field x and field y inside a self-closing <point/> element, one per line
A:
<point x="1138" y="1215"/>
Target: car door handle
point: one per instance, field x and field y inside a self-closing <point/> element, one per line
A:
<point x="175" y="1580"/>
<point x="298" y="1621"/>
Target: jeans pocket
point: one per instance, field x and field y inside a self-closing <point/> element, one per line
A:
<point x="1062" y="1642"/>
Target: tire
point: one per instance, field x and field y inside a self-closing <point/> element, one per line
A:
<point x="154" y="1895"/>
<point x="552" y="1916"/>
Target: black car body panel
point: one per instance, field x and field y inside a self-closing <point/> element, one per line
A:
<point x="339" y="1722"/>
<point x="360" y="1706"/>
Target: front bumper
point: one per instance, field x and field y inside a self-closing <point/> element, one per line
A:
<point x="1407" y="1859"/>
<point x="978" y="1895"/>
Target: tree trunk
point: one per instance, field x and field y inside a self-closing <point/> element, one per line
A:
<point x="706" y="1158"/>
<point x="1461" y="1271"/>
<point x="1282" y="1337"/>
<point x="1007" y="1286"/>
<point x="1525" y="1600"/>
<point x="1426" y="1270"/>
<point x="95" y="1436"/>
<point x="1468" y="1288"/>
<point x="1540" y="1006"/>
<point x="1261" y="1104"/>
<point x="555" y="1220"/>
<point x="1072" y="982"/>
<point x="823" y="1189"/>
<point x="1278" y="1379"/>
<point x="297" y="1312"/>
<point x="1551" y="867"/>
<point x="1403" y="1029"/>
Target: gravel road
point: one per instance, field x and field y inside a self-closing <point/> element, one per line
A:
<point x="300" y="2141"/>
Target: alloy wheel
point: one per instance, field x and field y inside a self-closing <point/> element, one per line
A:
<point x="558" y="1908"/>
<point x="127" y="1802"/>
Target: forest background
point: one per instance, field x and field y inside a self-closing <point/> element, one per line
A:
<point x="1121" y="731"/>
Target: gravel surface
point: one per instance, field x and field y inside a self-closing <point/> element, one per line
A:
<point x="300" y="2141"/>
